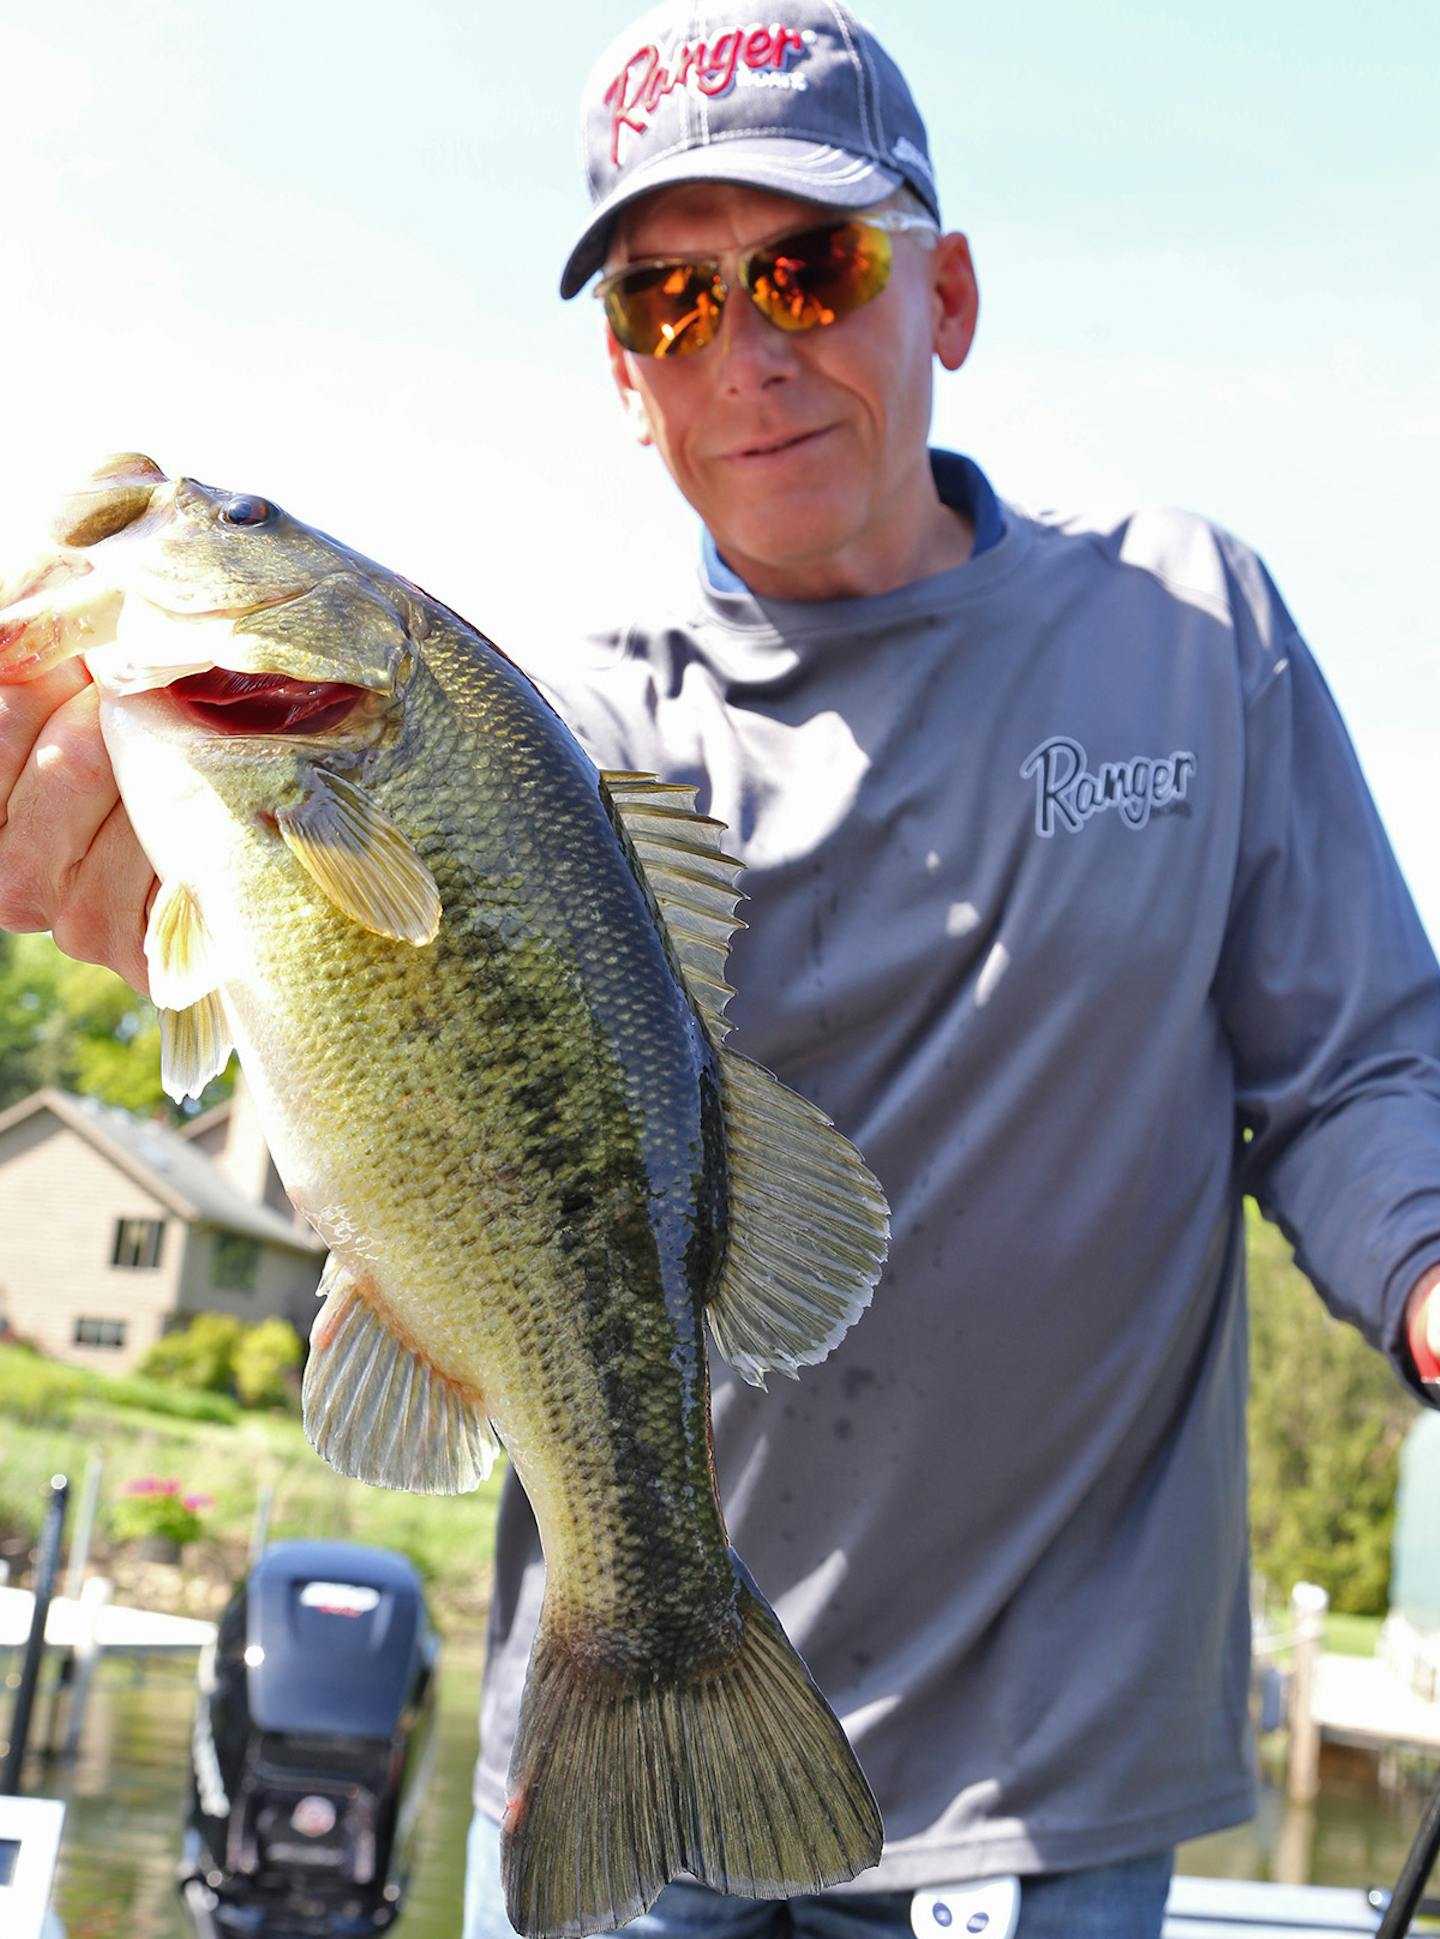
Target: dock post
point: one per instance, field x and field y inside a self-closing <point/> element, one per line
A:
<point x="47" y="1561"/>
<point x="93" y="1597"/>
<point x="84" y="1528"/>
<point x="260" y="1527"/>
<point x="1308" y="1603"/>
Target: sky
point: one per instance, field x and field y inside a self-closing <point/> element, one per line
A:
<point x="312" y="250"/>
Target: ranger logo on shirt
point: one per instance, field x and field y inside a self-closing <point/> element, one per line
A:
<point x="1068" y="794"/>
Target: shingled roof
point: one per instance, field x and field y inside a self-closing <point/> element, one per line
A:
<point x="183" y="1178"/>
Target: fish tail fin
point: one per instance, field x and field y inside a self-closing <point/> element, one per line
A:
<point x="740" y="1775"/>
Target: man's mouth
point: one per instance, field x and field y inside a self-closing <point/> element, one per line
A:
<point x="776" y="447"/>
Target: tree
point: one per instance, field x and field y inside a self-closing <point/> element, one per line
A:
<point x="1326" y="1419"/>
<point x="80" y="1028"/>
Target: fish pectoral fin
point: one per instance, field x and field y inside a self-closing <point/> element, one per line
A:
<point x="178" y="949"/>
<point x="378" y="1410"/>
<point x="356" y="854"/>
<point x="691" y="878"/>
<point x="808" y="1228"/>
<point x="195" y="1045"/>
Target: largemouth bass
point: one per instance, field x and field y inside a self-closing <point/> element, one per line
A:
<point x="478" y="989"/>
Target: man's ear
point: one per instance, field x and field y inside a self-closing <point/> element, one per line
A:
<point x="634" y="403"/>
<point x="957" y="299"/>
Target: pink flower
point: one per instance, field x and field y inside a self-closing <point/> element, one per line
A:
<point x="197" y="1504"/>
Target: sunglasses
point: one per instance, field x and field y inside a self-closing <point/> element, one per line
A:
<point x="669" y="306"/>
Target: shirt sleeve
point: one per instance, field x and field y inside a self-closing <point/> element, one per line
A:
<point x="1329" y="993"/>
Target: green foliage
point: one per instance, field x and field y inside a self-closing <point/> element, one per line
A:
<point x="157" y="1505"/>
<point x="200" y="1356"/>
<point x="1326" y="1417"/>
<point x="266" y="1355"/>
<point x="43" y="1392"/>
<point x="80" y="1028"/>
<point x="35" y="1389"/>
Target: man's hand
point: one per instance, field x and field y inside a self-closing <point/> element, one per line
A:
<point x="1422" y="1326"/>
<point x="69" y="860"/>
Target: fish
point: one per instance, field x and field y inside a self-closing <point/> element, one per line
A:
<point x="477" y="987"/>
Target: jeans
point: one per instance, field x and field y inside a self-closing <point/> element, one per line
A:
<point x="1122" y="1901"/>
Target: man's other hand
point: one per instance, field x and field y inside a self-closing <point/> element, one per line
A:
<point x="1422" y="1327"/>
<point x="69" y="860"/>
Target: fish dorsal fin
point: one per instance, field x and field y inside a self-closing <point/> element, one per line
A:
<point x="356" y="854"/>
<point x="378" y="1410"/>
<point x="195" y="1045"/>
<point x="808" y="1228"/>
<point x="178" y="950"/>
<point x="691" y="878"/>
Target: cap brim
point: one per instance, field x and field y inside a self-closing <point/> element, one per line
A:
<point x="811" y="170"/>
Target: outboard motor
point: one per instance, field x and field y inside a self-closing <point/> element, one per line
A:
<point x="312" y="1746"/>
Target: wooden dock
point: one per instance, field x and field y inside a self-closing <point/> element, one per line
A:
<point x="1360" y="1700"/>
<point x="93" y="1620"/>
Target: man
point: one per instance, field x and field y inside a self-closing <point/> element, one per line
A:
<point x="1067" y="903"/>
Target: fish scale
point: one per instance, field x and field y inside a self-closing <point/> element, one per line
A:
<point x="478" y="989"/>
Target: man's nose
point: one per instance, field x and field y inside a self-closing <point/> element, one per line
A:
<point x="752" y="352"/>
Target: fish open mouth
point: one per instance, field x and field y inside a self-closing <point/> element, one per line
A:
<point x="264" y="703"/>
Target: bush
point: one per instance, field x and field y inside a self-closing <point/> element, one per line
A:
<point x="268" y="1353"/>
<point x="156" y="1505"/>
<point x="200" y="1356"/>
<point x="37" y="1390"/>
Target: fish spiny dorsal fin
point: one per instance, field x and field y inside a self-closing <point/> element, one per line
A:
<point x="691" y="878"/>
<point x="809" y="1228"/>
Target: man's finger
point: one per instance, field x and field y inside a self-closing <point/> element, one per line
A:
<point x="24" y="710"/>
<point x="102" y="917"/>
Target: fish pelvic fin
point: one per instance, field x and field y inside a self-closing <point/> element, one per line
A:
<point x="178" y="950"/>
<point x="195" y="1045"/>
<point x="739" y="1774"/>
<point x="378" y="1410"/>
<point x="361" y="860"/>
<point x="690" y="877"/>
<point x="808" y="1228"/>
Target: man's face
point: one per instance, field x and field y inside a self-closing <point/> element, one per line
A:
<point x="803" y="452"/>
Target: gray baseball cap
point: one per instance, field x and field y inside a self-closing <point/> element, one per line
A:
<point x="805" y="102"/>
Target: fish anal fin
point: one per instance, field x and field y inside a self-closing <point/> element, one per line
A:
<point x="178" y="950"/>
<point x="690" y="877"/>
<point x="361" y="860"/>
<point x="377" y="1408"/>
<point x="808" y="1228"/>
<point x="736" y="1772"/>
<point x="195" y="1045"/>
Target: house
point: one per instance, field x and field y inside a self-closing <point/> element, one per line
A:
<point x="114" y="1229"/>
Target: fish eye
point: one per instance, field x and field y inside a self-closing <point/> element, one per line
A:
<point x="244" y="509"/>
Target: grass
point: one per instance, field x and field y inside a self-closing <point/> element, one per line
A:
<point x="450" y="1539"/>
<point x="1351" y="1635"/>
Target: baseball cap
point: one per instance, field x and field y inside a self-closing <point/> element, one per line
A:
<point x="804" y="102"/>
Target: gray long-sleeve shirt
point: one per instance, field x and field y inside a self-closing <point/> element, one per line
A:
<point x="1070" y="906"/>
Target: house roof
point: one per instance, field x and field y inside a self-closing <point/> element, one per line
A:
<point x="166" y="1164"/>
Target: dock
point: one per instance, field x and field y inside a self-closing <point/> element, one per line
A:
<point x="92" y="1620"/>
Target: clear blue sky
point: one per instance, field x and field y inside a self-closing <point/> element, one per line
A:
<point x="312" y="248"/>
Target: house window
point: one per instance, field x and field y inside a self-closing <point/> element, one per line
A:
<point x="99" y="1333"/>
<point x="234" y="1260"/>
<point x="137" y="1242"/>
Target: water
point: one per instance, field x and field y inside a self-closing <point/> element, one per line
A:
<point x="125" y="1799"/>
<point x="126" y="1796"/>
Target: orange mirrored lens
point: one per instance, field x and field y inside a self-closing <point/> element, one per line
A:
<point x="665" y="309"/>
<point x="818" y="275"/>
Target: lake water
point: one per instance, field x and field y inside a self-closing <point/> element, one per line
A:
<point x="126" y="1793"/>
